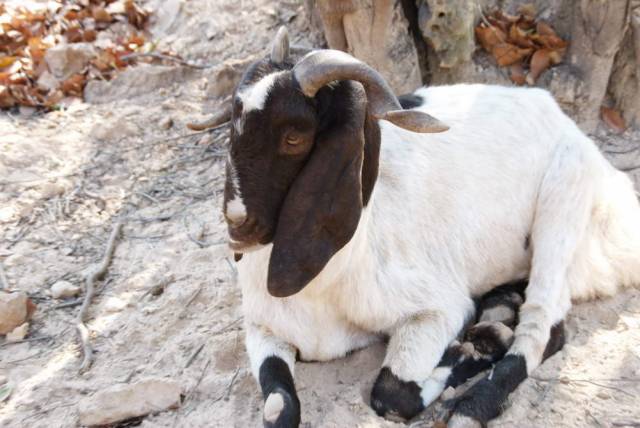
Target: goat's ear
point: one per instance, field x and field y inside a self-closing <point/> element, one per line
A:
<point x="280" y="46"/>
<point x="322" y="209"/>
<point x="415" y="121"/>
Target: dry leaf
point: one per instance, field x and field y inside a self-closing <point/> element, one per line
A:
<point x="89" y="35"/>
<point x="613" y="119"/>
<point x="101" y="15"/>
<point x="490" y="36"/>
<point x="527" y="9"/>
<point x="540" y="61"/>
<point x="6" y="61"/>
<point x="545" y="29"/>
<point x="25" y="36"/>
<point x="520" y="37"/>
<point x="508" y="54"/>
<point x="552" y="42"/>
<point x="517" y="74"/>
<point x="6" y="99"/>
<point x="74" y="85"/>
<point x="556" y="56"/>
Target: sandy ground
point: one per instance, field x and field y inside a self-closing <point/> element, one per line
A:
<point x="66" y="176"/>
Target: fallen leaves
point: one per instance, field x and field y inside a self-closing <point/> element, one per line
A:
<point x="27" y="33"/>
<point x="613" y="119"/>
<point x="521" y="43"/>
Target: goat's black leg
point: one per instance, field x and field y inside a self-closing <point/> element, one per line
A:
<point x="482" y="345"/>
<point x="281" y="404"/>
<point x="486" y="399"/>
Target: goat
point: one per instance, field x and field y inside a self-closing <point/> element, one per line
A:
<point x="359" y="219"/>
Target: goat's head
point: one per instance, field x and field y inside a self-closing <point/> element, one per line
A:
<point x="303" y="157"/>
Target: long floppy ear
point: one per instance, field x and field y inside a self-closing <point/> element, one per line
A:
<point x="322" y="208"/>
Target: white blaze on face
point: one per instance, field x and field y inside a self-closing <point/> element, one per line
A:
<point x="235" y="211"/>
<point x="253" y="97"/>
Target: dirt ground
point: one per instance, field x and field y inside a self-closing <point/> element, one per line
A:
<point x="66" y="176"/>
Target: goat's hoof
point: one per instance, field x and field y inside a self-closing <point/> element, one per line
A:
<point x="395" y="399"/>
<point x="460" y="421"/>
<point x="281" y="410"/>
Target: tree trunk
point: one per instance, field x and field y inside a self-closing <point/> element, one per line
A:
<point x="602" y="66"/>
<point x="375" y="31"/>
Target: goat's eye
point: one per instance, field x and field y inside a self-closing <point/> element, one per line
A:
<point x="293" y="139"/>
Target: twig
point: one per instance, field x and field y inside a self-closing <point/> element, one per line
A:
<point x="233" y="379"/>
<point x="228" y="390"/>
<point x="620" y="152"/>
<point x="149" y="197"/>
<point x="31" y="339"/>
<point x="593" y="417"/>
<point x="79" y="300"/>
<point x="193" y="356"/>
<point x="195" y="239"/>
<point x="204" y="371"/>
<point x="592" y="383"/>
<point x="193" y="297"/>
<point x="166" y="58"/>
<point x="71" y="304"/>
<point x="226" y="327"/>
<point x="4" y="284"/>
<point x="165" y="140"/>
<point x="93" y="275"/>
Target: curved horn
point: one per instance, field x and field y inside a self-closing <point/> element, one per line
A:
<point x="280" y="46"/>
<point x="321" y="67"/>
<point x="219" y="117"/>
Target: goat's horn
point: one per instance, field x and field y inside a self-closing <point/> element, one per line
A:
<point x="221" y="116"/>
<point x="319" y="68"/>
<point x="280" y="46"/>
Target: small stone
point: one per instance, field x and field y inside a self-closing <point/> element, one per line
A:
<point x="603" y="395"/>
<point x="67" y="60"/>
<point x="564" y="380"/>
<point x="26" y="111"/>
<point x="13" y="311"/>
<point x="64" y="290"/>
<point x="112" y="131"/>
<point x="166" y="123"/>
<point x="121" y="402"/>
<point x="448" y="393"/>
<point x="157" y="290"/>
<point x="47" y="81"/>
<point x="18" y="333"/>
<point x="3" y="380"/>
<point x="114" y="304"/>
<point x="51" y="190"/>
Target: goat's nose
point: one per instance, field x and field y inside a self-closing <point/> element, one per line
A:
<point x="236" y="213"/>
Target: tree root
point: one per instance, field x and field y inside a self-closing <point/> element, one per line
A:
<point x="92" y="275"/>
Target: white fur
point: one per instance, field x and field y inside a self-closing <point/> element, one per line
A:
<point x="512" y="165"/>
<point x="253" y="97"/>
<point x="433" y="387"/>
<point x="236" y="211"/>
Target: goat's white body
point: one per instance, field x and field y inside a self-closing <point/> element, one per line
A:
<point x="453" y="215"/>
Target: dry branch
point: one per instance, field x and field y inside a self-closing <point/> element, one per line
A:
<point x="92" y="275"/>
<point x="166" y="58"/>
<point x="4" y="283"/>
